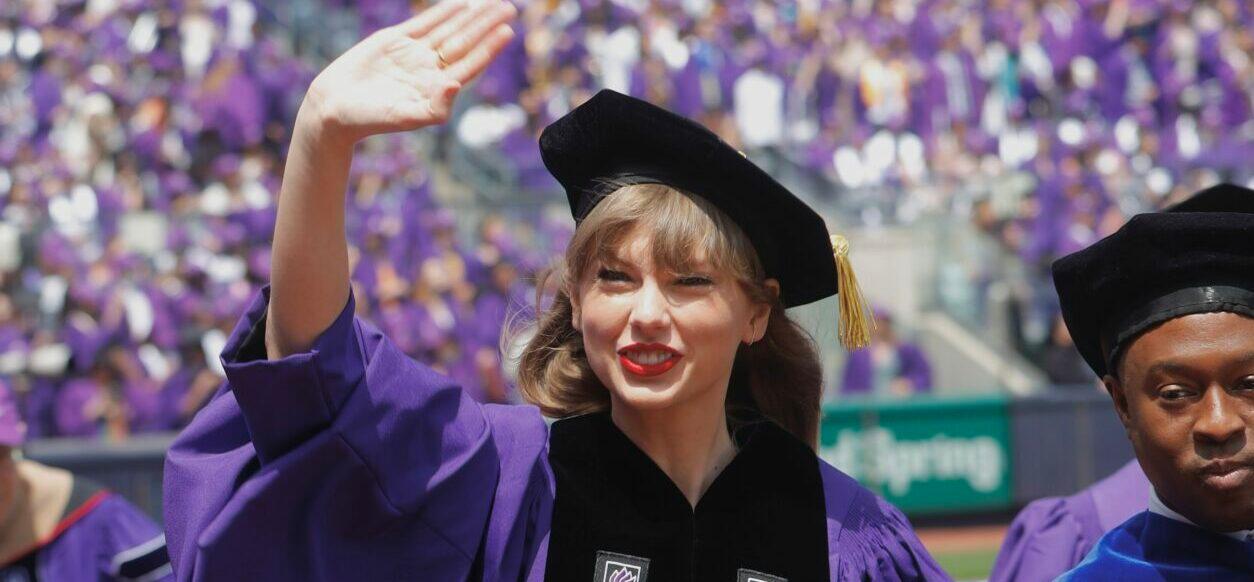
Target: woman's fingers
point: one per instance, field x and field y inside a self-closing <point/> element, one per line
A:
<point x="464" y="40"/>
<point x="478" y="58"/>
<point x="438" y="104"/>
<point x="450" y="27"/>
<point x="428" y="19"/>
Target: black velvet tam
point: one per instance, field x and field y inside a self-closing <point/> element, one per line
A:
<point x="1195" y="257"/>
<point x="614" y="140"/>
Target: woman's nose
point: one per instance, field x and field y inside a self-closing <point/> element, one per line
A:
<point x="651" y="310"/>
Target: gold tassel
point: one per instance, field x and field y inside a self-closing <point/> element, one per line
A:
<point x="856" y="318"/>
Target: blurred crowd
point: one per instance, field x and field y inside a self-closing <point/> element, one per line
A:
<point x="1098" y="99"/>
<point x="1046" y="122"/>
<point x="141" y="150"/>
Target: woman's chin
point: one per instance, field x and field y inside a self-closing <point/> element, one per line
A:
<point x="647" y="395"/>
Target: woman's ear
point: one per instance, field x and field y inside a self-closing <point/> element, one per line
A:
<point x="761" y="314"/>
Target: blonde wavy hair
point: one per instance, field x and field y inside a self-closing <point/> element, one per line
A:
<point x="778" y="377"/>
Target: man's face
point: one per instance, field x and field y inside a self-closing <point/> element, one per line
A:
<point x="1185" y="395"/>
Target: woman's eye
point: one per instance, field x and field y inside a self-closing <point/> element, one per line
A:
<point x="612" y="275"/>
<point x="694" y="281"/>
<point x="1246" y="383"/>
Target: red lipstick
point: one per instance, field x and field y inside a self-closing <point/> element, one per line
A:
<point x="631" y="357"/>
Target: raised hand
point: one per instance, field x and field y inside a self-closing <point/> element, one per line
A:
<point x="406" y="76"/>
<point x="397" y="79"/>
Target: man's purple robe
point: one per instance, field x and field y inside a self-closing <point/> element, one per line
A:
<point x="352" y="461"/>
<point x="1050" y="536"/>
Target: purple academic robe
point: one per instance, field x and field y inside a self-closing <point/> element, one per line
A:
<point x="859" y="374"/>
<point x="236" y="111"/>
<point x="71" y="403"/>
<point x="688" y="100"/>
<point x="143" y="400"/>
<point x="102" y="537"/>
<point x="173" y="390"/>
<point x="39" y="408"/>
<point x="45" y="94"/>
<point x="1052" y="535"/>
<point x="366" y="465"/>
<point x="523" y="152"/>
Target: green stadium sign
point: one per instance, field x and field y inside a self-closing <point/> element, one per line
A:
<point x="924" y="455"/>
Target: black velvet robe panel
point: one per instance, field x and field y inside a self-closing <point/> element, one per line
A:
<point x="762" y="518"/>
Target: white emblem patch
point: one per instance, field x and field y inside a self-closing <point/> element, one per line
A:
<point x="612" y="567"/>
<point x="746" y="575"/>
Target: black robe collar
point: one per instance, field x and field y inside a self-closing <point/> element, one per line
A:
<point x="762" y="518"/>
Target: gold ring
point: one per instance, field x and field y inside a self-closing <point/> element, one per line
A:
<point x="440" y="55"/>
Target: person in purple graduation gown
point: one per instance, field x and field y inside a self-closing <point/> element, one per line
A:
<point x="1052" y="535"/>
<point x="889" y="367"/>
<point x="57" y="526"/>
<point x="689" y="401"/>
<point x="80" y="407"/>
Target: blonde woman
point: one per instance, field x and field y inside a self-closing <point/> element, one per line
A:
<point x="688" y="400"/>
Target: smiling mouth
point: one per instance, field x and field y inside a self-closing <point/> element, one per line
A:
<point x="648" y="361"/>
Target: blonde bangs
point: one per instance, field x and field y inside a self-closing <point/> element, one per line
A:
<point x="685" y="230"/>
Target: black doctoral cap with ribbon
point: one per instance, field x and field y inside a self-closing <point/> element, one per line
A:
<point x="1194" y="257"/>
<point x="613" y="140"/>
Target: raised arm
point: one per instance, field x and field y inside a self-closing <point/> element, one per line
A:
<point x="329" y="454"/>
<point x="400" y="78"/>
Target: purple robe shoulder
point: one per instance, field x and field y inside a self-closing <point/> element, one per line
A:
<point x="1050" y="536"/>
<point x="103" y="538"/>
<point x="368" y="465"/>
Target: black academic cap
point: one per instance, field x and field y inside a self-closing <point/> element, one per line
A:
<point x="1195" y="257"/>
<point x="613" y="139"/>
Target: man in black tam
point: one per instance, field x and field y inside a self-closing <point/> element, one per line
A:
<point x="1163" y="311"/>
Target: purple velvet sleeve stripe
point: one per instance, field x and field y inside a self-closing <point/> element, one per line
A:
<point x="308" y="387"/>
